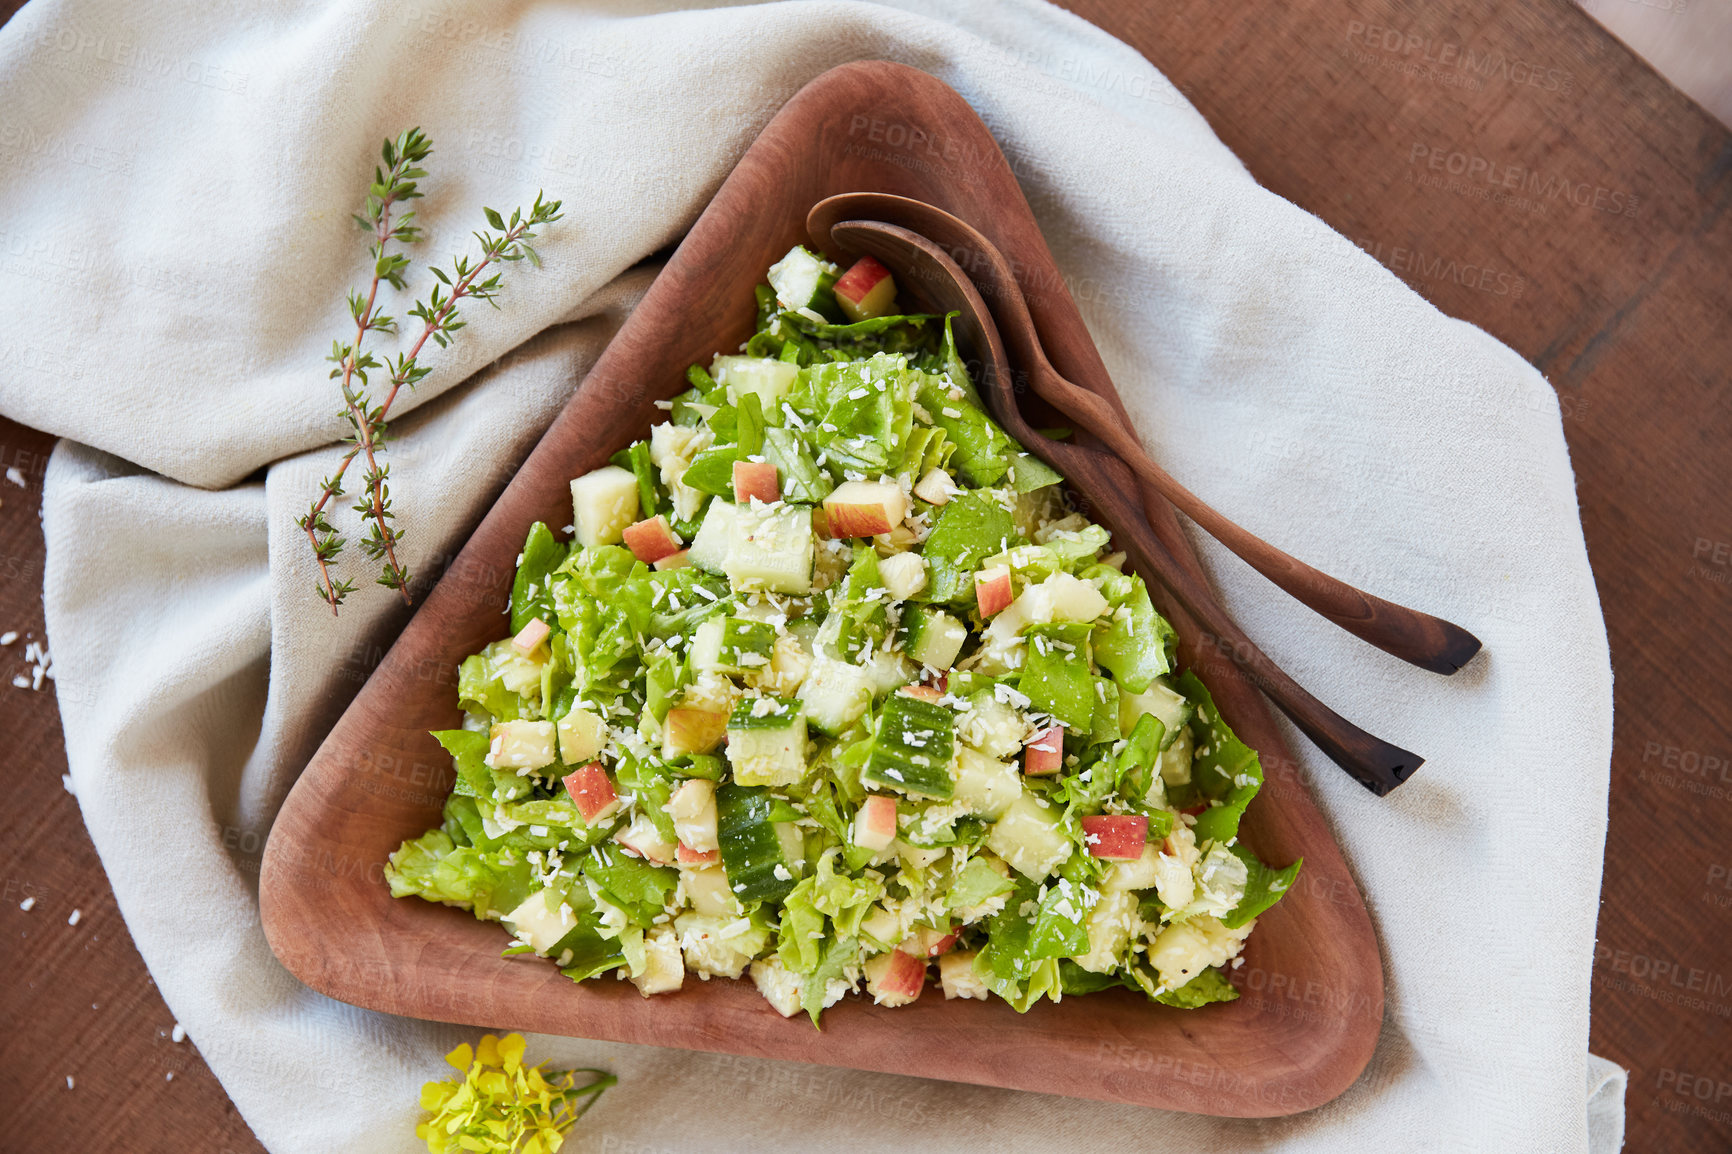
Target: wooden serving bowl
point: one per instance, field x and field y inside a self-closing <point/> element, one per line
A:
<point x="1312" y="979"/>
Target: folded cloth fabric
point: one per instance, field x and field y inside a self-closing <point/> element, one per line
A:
<point x="174" y="227"/>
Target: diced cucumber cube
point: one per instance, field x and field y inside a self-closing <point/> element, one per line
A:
<point x="770" y="548"/>
<point x="835" y="694"/>
<point x="932" y="636"/>
<point x="709" y="549"/>
<point x="768" y="378"/>
<point x="985" y="784"/>
<point x="912" y="748"/>
<point x="767" y="741"/>
<point x="991" y="726"/>
<point x="803" y="280"/>
<point x="752" y="851"/>
<point x="1030" y="836"/>
<point x="747" y="644"/>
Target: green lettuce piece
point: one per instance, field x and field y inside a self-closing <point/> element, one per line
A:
<point x="1105" y="729"/>
<point x="839" y="956"/>
<point x="480" y="683"/>
<point x="1055" y="674"/>
<point x="602" y="610"/>
<point x="1020" y="959"/>
<point x="1209" y="986"/>
<point x="632" y="884"/>
<point x="1080" y="546"/>
<point x="1135" y="647"/>
<point x="800" y="938"/>
<point x="559" y="810"/>
<point x="531" y="593"/>
<point x="1058" y="930"/>
<point x="651" y="779"/>
<point x="636" y="461"/>
<point x="1029" y="564"/>
<point x="1264" y="886"/>
<point x="984" y="452"/>
<point x="749" y="434"/>
<point x="1224" y="769"/>
<point x="865" y="411"/>
<point x="591" y="953"/>
<point x="1028" y="472"/>
<point x="467" y="749"/>
<point x="854" y="330"/>
<point x="712" y="471"/>
<point x="409" y="871"/>
<point x="978" y="882"/>
<point x="433" y="867"/>
<point x="1073" y="979"/>
<point x="801" y="479"/>
<point x="845" y="899"/>
<point x="974" y="526"/>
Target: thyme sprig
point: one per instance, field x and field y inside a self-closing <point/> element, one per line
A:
<point x="508" y="241"/>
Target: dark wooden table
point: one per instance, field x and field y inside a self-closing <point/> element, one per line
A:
<point x="1517" y="167"/>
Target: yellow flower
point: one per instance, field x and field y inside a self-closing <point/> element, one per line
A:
<point x="502" y="1106"/>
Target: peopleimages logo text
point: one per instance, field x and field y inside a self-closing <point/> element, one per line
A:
<point x="1448" y="55"/>
<point x="1481" y="172"/>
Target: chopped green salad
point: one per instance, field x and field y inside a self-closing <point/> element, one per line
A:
<point x="830" y="685"/>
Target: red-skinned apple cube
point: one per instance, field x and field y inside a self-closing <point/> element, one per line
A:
<point x="875" y="823"/>
<point x="866" y="290"/>
<point x="686" y="855"/>
<point x="992" y="590"/>
<point x="1116" y="837"/>
<point x="530" y="636"/>
<point x="756" y="480"/>
<point x="1044" y="753"/>
<point x="895" y="978"/>
<point x="651" y="540"/>
<point x="865" y="508"/>
<point x="592" y="792"/>
<point x="680" y="560"/>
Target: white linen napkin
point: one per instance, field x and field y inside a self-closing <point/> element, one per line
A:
<point x="174" y="231"/>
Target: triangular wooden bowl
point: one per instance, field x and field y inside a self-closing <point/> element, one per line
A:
<point x="1312" y="978"/>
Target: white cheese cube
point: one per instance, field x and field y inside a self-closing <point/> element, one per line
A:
<point x="956" y="974"/>
<point x="718" y="946"/>
<point x="779" y="985"/>
<point x="693" y="808"/>
<point x="1110" y="926"/>
<point x="1185" y="949"/>
<point x="541" y="920"/>
<point x="707" y="892"/>
<point x="903" y="574"/>
<point x="645" y="840"/>
<point x="664" y="969"/>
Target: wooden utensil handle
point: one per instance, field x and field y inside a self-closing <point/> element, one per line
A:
<point x="1419" y="638"/>
<point x="1376" y="764"/>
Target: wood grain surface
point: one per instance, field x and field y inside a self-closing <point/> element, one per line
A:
<point x="345" y="936"/>
<point x="1626" y="311"/>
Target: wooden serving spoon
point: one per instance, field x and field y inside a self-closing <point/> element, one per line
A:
<point x="929" y="274"/>
<point x="1419" y="638"/>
